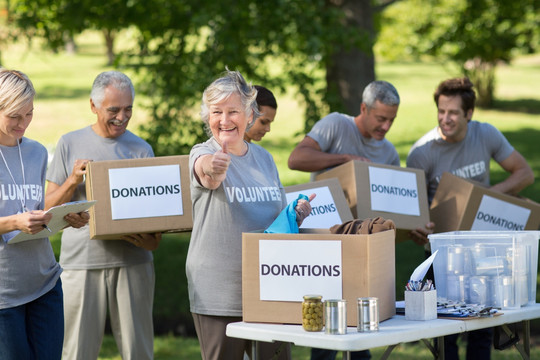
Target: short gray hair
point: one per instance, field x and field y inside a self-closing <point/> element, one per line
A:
<point x="232" y="82"/>
<point x="381" y="91"/>
<point x="16" y="90"/>
<point x="115" y="78"/>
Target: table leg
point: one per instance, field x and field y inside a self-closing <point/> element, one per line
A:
<point x="527" y="337"/>
<point x="346" y="355"/>
<point x="254" y="349"/>
<point x="387" y="352"/>
<point x="525" y="348"/>
<point x="440" y="348"/>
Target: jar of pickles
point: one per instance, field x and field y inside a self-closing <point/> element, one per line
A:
<point x="312" y="313"/>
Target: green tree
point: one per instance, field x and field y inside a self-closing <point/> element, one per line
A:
<point x="323" y="48"/>
<point x="59" y="20"/>
<point x="475" y="35"/>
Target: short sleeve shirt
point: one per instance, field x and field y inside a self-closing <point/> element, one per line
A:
<point x="468" y="159"/>
<point x="337" y="133"/>
<point x="78" y="251"/>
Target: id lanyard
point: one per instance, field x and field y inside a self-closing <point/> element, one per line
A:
<point x="22" y="198"/>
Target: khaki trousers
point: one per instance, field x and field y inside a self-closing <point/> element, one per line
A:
<point x="128" y="295"/>
<point x="215" y="345"/>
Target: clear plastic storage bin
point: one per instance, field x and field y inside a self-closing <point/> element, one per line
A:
<point x="491" y="268"/>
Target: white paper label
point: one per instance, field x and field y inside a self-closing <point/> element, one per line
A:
<point x="393" y="191"/>
<point x="290" y="269"/>
<point x="324" y="213"/>
<point x="147" y="191"/>
<point x="495" y="214"/>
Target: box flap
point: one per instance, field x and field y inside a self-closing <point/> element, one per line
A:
<point x="459" y="203"/>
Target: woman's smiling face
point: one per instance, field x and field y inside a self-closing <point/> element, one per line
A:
<point x="228" y="121"/>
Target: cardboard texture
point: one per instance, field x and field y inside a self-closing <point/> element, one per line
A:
<point x="102" y="225"/>
<point x="421" y="305"/>
<point x="320" y="210"/>
<point x="368" y="270"/>
<point x="457" y="201"/>
<point x="355" y="181"/>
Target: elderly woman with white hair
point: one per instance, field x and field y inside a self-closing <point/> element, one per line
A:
<point x="235" y="188"/>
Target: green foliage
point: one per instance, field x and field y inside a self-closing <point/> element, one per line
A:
<point x="475" y="35"/>
<point x="183" y="46"/>
<point x="58" y="20"/>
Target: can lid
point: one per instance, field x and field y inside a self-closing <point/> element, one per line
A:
<point x="335" y="302"/>
<point x="367" y="300"/>
<point x="312" y="297"/>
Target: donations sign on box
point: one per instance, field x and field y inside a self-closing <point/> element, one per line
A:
<point x="290" y="269"/>
<point x="461" y="204"/>
<point x="139" y="196"/>
<point x="279" y="269"/>
<point x="148" y="191"/>
<point x="329" y="206"/>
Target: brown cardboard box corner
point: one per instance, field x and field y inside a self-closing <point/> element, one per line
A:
<point x="457" y="201"/>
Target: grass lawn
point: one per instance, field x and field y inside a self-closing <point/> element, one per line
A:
<point x="63" y="84"/>
<point x="174" y="348"/>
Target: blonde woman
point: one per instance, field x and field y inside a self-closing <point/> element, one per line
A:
<point x="31" y="308"/>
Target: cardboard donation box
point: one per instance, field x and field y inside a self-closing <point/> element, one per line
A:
<point x="138" y="196"/>
<point x="461" y="204"/>
<point x="388" y="191"/>
<point x="329" y="206"/>
<point x="279" y="269"/>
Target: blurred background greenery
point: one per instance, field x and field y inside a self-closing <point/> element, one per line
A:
<point x="412" y="43"/>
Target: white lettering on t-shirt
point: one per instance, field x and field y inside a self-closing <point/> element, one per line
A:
<point x="471" y="170"/>
<point x="253" y="194"/>
<point x="21" y="192"/>
<point x="468" y="171"/>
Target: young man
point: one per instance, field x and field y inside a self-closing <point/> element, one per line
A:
<point x="103" y="275"/>
<point x="465" y="147"/>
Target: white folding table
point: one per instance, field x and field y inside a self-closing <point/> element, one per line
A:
<point x="391" y="332"/>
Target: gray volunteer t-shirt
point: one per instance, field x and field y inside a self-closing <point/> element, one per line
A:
<point x="468" y="158"/>
<point x="337" y="133"/>
<point x="78" y="251"/>
<point x="28" y="269"/>
<point x="249" y="199"/>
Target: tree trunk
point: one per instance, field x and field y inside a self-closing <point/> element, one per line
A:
<point x="482" y="75"/>
<point x="348" y="71"/>
<point x="109" y="36"/>
<point x="69" y="44"/>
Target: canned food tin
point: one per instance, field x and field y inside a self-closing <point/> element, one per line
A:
<point x="335" y="316"/>
<point x="456" y="260"/>
<point x="503" y="291"/>
<point x="457" y="288"/>
<point x="478" y="290"/>
<point x="312" y="313"/>
<point x="490" y="266"/>
<point x="368" y="314"/>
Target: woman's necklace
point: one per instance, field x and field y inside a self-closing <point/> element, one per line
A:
<point x="22" y="199"/>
